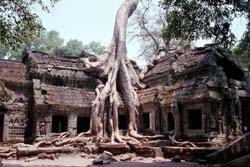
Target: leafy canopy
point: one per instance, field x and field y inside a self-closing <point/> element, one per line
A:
<point x="194" y="19"/>
<point x="51" y="43"/>
<point x="242" y="50"/>
<point x="18" y="24"/>
<point x="95" y="48"/>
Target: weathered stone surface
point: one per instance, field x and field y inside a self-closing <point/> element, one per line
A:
<point x="181" y="81"/>
<point x="118" y="148"/>
<point x="90" y="149"/>
<point x="108" y="153"/>
<point x="237" y="148"/>
<point x="145" y="151"/>
<point x="187" y="153"/>
<point x="127" y="157"/>
<point x="156" y="143"/>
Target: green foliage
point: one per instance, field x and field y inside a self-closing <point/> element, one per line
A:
<point x="11" y="54"/>
<point x="3" y="51"/>
<point x="95" y="48"/>
<point x="18" y="23"/>
<point x="207" y="19"/>
<point x="51" y="43"/>
<point x="242" y="51"/>
<point x="73" y="47"/>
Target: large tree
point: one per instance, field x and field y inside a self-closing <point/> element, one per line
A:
<point x="209" y="19"/>
<point x="147" y="25"/>
<point x="18" y="23"/>
<point x="242" y="50"/>
<point x="119" y="79"/>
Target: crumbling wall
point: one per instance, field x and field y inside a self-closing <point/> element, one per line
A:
<point x="16" y="117"/>
<point x="15" y="99"/>
<point x="205" y="80"/>
<point x="56" y="101"/>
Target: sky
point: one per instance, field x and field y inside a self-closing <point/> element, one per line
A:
<point x="93" y="20"/>
<point x="85" y="20"/>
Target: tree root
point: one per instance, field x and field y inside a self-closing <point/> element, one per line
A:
<point x="185" y="144"/>
<point x="42" y="156"/>
<point x="84" y="134"/>
<point x="181" y="144"/>
<point x="7" y="155"/>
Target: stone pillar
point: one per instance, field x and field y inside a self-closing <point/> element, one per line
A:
<point x="205" y="116"/>
<point x="72" y="123"/>
<point x="164" y="119"/>
<point x="152" y="119"/>
<point x="176" y="114"/>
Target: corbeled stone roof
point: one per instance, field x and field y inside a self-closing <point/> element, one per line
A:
<point x="59" y="70"/>
<point x="12" y="71"/>
<point x="63" y="97"/>
<point x="187" y="60"/>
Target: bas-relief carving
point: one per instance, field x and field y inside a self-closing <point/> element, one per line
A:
<point x="42" y="128"/>
<point x="16" y="126"/>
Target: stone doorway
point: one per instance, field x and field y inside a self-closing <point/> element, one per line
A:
<point x="171" y="125"/>
<point x="194" y="119"/>
<point x="59" y="124"/>
<point x="83" y="124"/>
<point x="123" y="122"/>
<point x="145" y="121"/>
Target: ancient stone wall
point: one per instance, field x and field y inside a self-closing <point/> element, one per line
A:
<point x="200" y="85"/>
<point x="17" y="106"/>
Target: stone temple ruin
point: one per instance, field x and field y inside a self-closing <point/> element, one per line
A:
<point x="200" y="95"/>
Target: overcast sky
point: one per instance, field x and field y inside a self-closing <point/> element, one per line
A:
<point x="93" y="20"/>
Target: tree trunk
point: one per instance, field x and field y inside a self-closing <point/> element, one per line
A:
<point x="119" y="73"/>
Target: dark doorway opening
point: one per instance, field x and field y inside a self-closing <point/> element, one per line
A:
<point x="123" y="122"/>
<point x="170" y="121"/>
<point x="83" y="124"/>
<point x="145" y="120"/>
<point x="245" y="115"/>
<point x="1" y="126"/>
<point x="59" y="124"/>
<point x="194" y="119"/>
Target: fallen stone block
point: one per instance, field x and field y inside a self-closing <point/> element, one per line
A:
<point x="115" y="149"/>
<point x="127" y="157"/>
<point x="148" y="151"/>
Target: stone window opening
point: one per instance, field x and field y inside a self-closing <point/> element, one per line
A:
<point x="59" y="124"/>
<point x="146" y="120"/>
<point x="123" y="122"/>
<point x="171" y="125"/>
<point x="195" y="119"/>
<point x="83" y="124"/>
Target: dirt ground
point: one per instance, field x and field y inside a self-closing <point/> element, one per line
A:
<point x="77" y="161"/>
